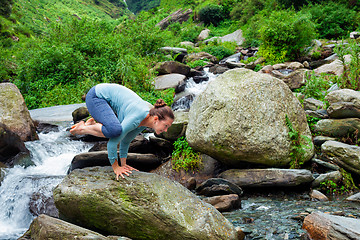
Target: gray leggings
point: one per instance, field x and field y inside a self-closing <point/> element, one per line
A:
<point x="102" y="112"/>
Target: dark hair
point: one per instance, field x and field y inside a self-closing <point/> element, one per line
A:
<point x="161" y="110"/>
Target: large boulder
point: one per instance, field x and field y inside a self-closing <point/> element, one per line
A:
<point x="179" y="16"/>
<point x="14" y="113"/>
<point x="322" y="226"/>
<point x="345" y="155"/>
<point x="141" y="206"/>
<point x="241" y="117"/>
<point x="46" y="227"/>
<point x="273" y="177"/>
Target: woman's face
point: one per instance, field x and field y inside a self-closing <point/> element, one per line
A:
<point x="162" y="125"/>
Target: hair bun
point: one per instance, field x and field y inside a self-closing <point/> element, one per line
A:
<point x="160" y="103"/>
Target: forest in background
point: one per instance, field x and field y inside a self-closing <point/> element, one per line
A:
<point x="54" y="51"/>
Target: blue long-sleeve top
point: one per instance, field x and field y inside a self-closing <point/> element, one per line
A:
<point x="130" y="110"/>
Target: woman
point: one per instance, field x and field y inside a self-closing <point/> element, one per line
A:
<point x="120" y="114"/>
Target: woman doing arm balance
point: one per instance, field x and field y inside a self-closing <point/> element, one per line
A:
<point x="120" y="114"/>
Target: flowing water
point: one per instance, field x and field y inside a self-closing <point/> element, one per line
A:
<point x="52" y="155"/>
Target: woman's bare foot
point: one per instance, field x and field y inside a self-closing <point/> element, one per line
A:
<point x="90" y="121"/>
<point x="77" y="128"/>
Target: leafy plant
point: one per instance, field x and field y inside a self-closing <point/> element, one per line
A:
<point x="345" y="186"/>
<point x="297" y="148"/>
<point x="198" y="63"/>
<point x="315" y="87"/>
<point x="284" y="35"/>
<point x="212" y="14"/>
<point x="333" y="20"/>
<point x="183" y="156"/>
<point x="351" y="76"/>
<point x="220" y="50"/>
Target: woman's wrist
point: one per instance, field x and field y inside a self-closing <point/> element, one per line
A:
<point x="122" y="162"/>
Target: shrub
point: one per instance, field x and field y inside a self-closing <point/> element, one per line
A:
<point x="351" y="76"/>
<point x="284" y="35"/>
<point x="212" y="14"/>
<point x="333" y="20"/>
<point x="183" y="156"/>
<point x="315" y="87"/>
<point x="220" y="50"/>
<point x="5" y="7"/>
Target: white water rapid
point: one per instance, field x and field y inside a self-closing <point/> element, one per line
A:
<point x="52" y="155"/>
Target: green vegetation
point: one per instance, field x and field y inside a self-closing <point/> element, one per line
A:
<point x="297" y="148"/>
<point x="183" y="156"/>
<point x="345" y="186"/>
<point x="55" y="50"/>
<point x="351" y="76"/>
<point x="315" y="87"/>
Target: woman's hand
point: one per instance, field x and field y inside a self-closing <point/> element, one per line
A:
<point x="120" y="170"/>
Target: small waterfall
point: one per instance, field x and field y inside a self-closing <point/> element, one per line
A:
<point x="52" y="155"/>
<point x="183" y="99"/>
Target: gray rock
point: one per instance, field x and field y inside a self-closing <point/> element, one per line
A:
<point x="334" y="67"/>
<point x="42" y="204"/>
<point x="313" y="104"/>
<point x="343" y="110"/>
<point x="326" y="164"/>
<point x="143" y="162"/>
<point x="344" y="155"/>
<point x="319" y="196"/>
<point x="169" y="67"/>
<point x="354" y="198"/>
<point x="218" y="186"/>
<point x="240" y="118"/>
<point x="154" y="207"/>
<point x="80" y="114"/>
<point x="295" y="65"/>
<point x="168" y="81"/>
<point x="354" y="35"/>
<point x="321" y="113"/>
<point x="338" y="127"/>
<point x="209" y="168"/>
<point x="344" y="95"/>
<point x="12" y="149"/>
<point x="187" y="43"/>
<point x="224" y="203"/>
<point x="272" y="177"/>
<point x="173" y="50"/>
<point x="319" y="140"/>
<point x="236" y="36"/>
<point x="201" y="56"/>
<point x="179" y="16"/>
<point x="334" y="176"/>
<point x="325" y="226"/>
<point x="14" y="113"/>
<point x="46" y="227"/>
<point x="204" y="34"/>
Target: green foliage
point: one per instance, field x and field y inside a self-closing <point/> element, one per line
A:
<point x="297" y="148"/>
<point x="5" y="8"/>
<point x="345" y="186"/>
<point x="315" y="87"/>
<point x="333" y="20"/>
<point x="312" y="121"/>
<point x="198" y="63"/>
<point x="351" y="76"/>
<point x="220" y="50"/>
<point x="137" y="6"/>
<point x="212" y="14"/>
<point x="183" y="156"/>
<point x="284" y="35"/>
<point x="152" y="95"/>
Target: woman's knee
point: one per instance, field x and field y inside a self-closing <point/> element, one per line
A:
<point x="112" y="131"/>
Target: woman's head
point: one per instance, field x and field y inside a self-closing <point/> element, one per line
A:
<point x="163" y="116"/>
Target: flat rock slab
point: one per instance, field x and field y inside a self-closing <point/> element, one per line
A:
<point x="325" y="226"/>
<point x="55" y="114"/>
<point x="272" y="177"/>
<point x="168" y="81"/>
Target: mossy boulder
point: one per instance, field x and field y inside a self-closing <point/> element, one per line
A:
<point x="141" y="206"/>
<point x="241" y="118"/>
<point x="14" y="113"/>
